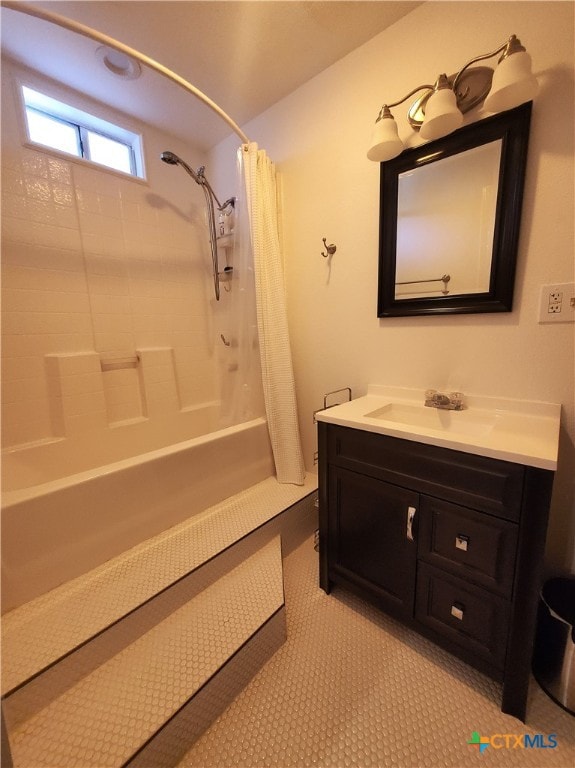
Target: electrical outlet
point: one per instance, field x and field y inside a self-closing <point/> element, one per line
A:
<point x="557" y="303"/>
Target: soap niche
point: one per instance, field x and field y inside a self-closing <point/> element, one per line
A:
<point x="123" y="390"/>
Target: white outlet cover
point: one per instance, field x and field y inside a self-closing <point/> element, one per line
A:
<point x="557" y="303"/>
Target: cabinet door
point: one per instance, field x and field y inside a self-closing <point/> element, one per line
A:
<point x="369" y="540"/>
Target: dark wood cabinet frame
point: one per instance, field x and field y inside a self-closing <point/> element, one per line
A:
<point x="513" y="128"/>
<point x="513" y="498"/>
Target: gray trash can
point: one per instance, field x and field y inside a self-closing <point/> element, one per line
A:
<point x="554" y="654"/>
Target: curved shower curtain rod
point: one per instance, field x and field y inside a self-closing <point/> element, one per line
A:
<point x="82" y="29"/>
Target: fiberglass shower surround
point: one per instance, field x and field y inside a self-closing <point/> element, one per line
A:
<point x="226" y="208"/>
<point x="264" y="246"/>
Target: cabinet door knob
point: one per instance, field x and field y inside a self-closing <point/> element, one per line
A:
<point x="410" y="518"/>
<point x="461" y="542"/>
<point x="457" y="611"/>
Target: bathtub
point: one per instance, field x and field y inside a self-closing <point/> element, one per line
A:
<point x="27" y="465"/>
<point x="56" y="528"/>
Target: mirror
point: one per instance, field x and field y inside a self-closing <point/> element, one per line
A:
<point x="449" y="220"/>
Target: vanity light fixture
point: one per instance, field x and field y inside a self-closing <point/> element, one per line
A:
<point x="440" y="109"/>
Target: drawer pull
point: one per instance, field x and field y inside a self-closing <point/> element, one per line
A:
<point x="410" y="518"/>
<point x="461" y="542"/>
<point x="457" y="611"/>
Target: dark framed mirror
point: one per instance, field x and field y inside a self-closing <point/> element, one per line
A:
<point x="449" y="218"/>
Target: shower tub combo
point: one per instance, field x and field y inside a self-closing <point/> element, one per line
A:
<point x="98" y="486"/>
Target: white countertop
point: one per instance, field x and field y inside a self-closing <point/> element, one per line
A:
<point x="520" y="431"/>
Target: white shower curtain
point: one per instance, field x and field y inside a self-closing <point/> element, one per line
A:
<point x="237" y="345"/>
<point x="275" y="353"/>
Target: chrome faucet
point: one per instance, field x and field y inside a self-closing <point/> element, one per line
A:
<point x="451" y="402"/>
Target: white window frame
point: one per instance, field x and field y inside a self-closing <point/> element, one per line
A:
<point x="84" y="123"/>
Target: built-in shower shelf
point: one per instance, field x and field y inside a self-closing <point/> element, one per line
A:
<point x="118" y="362"/>
<point x="121" y="615"/>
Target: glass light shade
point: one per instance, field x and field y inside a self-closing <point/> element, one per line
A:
<point x="513" y="83"/>
<point x="442" y="115"/>
<point x="385" y="142"/>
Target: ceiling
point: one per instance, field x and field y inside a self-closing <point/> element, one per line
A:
<point x="245" y="56"/>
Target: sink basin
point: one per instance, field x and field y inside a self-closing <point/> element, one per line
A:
<point x="474" y="423"/>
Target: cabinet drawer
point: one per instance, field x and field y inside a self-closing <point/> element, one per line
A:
<point x="479" y="482"/>
<point x="472" y="545"/>
<point x="466" y="615"/>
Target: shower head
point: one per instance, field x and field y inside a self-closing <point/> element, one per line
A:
<point x="198" y="176"/>
<point x="170" y="158"/>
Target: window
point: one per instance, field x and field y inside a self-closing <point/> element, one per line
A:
<point x="54" y="124"/>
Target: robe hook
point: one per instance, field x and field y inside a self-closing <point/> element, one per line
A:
<point x="331" y="249"/>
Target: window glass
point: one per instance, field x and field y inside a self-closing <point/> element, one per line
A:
<point x="68" y="129"/>
<point x="53" y="132"/>
<point x="108" y="152"/>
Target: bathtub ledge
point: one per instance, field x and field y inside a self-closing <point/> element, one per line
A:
<point x="40" y="633"/>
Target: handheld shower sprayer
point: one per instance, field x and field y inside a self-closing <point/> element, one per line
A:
<point x="198" y="176"/>
<point x="169" y="157"/>
<point x="172" y="159"/>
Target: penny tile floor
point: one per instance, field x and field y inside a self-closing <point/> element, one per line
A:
<point x="352" y="688"/>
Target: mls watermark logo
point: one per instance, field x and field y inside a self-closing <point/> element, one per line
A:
<point x="513" y="741"/>
<point x="476" y="740"/>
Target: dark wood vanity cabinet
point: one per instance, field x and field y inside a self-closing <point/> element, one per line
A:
<point x="448" y="542"/>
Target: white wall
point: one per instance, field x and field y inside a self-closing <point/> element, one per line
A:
<point x="318" y="137"/>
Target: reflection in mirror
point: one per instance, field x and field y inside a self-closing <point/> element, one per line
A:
<point x="445" y="224"/>
<point x="449" y="220"/>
